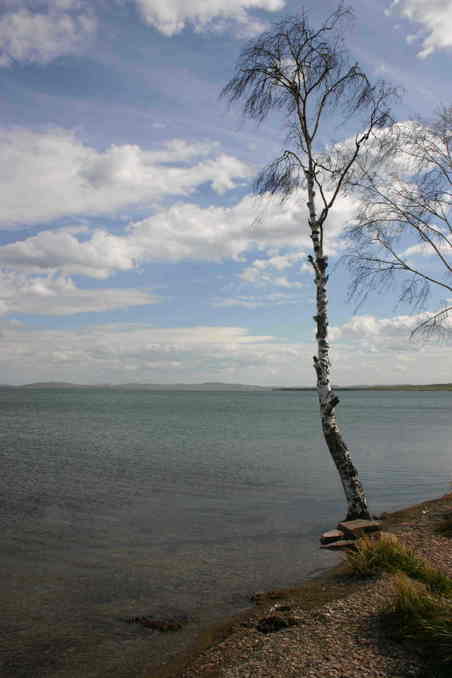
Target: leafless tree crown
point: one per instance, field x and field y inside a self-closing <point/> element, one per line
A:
<point x="309" y="75"/>
<point x="405" y="220"/>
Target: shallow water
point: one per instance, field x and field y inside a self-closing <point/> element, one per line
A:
<point x="123" y="503"/>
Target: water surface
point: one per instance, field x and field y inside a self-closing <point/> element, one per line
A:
<point x="121" y="503"/>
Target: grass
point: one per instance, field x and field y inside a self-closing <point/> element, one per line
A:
<point x="417" y="616"/>
<point x="372" y="558"/>
<point x="420" y="609"/>
<point x="445" y="527"/>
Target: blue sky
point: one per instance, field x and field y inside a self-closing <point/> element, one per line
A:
<point x="129" y="245"/>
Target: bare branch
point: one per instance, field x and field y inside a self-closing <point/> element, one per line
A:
<point x="309" y="75"/>
<point x="434" y="325"/>
<point x="406" y="212"/>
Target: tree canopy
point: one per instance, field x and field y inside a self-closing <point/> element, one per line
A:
<point x="403" y="230"/>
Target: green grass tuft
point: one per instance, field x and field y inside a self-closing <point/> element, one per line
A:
<point x="372" y="558"/>
<point x="423" y="619"/>
<point x="375" y="557"/>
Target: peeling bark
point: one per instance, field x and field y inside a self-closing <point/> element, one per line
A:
<point x="328" y="400"/>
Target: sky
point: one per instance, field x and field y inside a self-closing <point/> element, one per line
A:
<point x="132" y="246"/>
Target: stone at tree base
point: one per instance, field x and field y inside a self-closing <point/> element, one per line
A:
<point x="406" y="525"/>
<point x="357" y="528"/>
<point x="331" y="536"/>
<point x="340" y="545"/>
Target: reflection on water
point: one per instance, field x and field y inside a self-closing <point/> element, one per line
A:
<point x="119" y="504"/>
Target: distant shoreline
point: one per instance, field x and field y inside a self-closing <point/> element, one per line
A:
<point x="219" y="386"/>
<point x="385" y="387"/>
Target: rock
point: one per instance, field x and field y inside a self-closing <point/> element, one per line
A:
<point x="264" y="597"/>
<point x="341" y="545"/>
<point x="258" y="597"/>
<point x="275" y="622"/>
<point x="331" y="536"/>
<point x="163" y="625"/>
<point x="406" y="525"/>
<point x="358" y="528"/>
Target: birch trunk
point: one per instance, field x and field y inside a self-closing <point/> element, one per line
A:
<point x="354" y="493"/>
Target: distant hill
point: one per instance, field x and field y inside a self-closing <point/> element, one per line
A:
<point x="50" y="384"/>
<point x="206" y="386"/>
<point x="221" y="386"/>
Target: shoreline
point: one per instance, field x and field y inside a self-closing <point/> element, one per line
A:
<point x="332" y="585"/>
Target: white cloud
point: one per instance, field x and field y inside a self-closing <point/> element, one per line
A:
<point x="49" y="175"/>
<point x="140" y="353"/>
<point x="377" y="335"/>
<point x="426" y="250"/>
<point x="371" y="350"/>
<point x="262" y="271"/>
<point x="172" y="16"/>
<point x="435" y="19"/>
<point x="63" y="27"/>
<point x="59" y="296"/>
<point x="119" y="353"/>
<point x="61" y="251"/>
<point x="183" y="231"/>
<point x="215" y="233"/>
<point x="250" y="301"/>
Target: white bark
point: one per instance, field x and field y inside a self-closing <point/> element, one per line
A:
<point x="354" y="493"/>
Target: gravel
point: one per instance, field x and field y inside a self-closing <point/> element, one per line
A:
<point x="341" y="639"/>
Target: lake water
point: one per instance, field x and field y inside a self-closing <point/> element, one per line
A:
<point x="125" y="503"/>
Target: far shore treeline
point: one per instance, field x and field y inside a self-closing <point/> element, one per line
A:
<point x="220" y="386"/>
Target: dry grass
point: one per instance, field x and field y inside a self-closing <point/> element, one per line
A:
<point x="445" y="527"/>
<point x="420" y="609"/>
<point x="423" y="619"/>
<point x="372" y="558"/>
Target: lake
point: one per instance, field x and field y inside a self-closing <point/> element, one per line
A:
<point x="121" y="503"/>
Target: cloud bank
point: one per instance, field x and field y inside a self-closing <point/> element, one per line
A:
<point x="172" y="16"/>
<point x="40" y="31"/>
<point x="60" y="296"/>
<point x="49" y="175"/>
<point x="183" y="231"/>
<point x="62" y="27"/>
<point x="435" y="20"/>
<point x="139" y="353"/>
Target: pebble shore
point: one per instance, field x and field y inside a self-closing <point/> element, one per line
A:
<point x="329" y="627"/>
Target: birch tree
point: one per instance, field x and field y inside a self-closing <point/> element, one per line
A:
<point x="306" y="73"/>
<point x="403" y="229"/>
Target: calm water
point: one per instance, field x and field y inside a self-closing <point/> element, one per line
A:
<point x="123" y="503"/>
